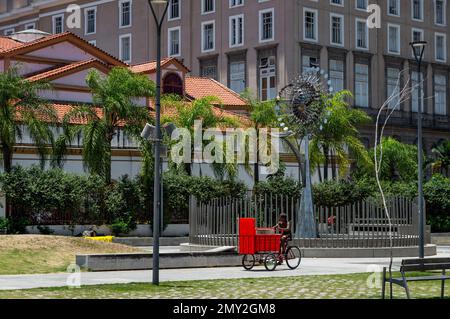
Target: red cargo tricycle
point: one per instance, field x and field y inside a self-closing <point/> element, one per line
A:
<point x="262" y="245"/>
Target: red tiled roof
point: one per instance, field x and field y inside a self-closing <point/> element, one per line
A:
<point x="198" y="88"/>
<point x="59" y="36"/>
<point x="66" y="68"/>
<point x="7" y="44"/>
<point x="150" y="67"/>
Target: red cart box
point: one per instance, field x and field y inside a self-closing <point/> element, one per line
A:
<point x="247" y="233"/>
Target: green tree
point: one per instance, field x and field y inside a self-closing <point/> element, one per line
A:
<point x="23" y="111"/>
<point x="114" y="107"/>
<point x="442" y="157"/>
<point x="263" y="115"/>
<point x="339" y="138"/>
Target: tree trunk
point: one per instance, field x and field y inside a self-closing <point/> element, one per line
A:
<point x="7" y="166"/>
<point x="326" y="162"/>
<point x="108" y="155"/>
<point x="256" y="165"/>
<point x="333" y="166"/>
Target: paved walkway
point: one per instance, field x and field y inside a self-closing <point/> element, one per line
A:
<point x="309" y="266"/>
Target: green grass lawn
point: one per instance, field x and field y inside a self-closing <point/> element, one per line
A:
<point x="304" y="287"/>
<point x="38" y="254"/>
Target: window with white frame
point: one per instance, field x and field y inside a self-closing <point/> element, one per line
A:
<point x="90" y="20"/>
<point x="310" y="64"/>
<point x="441" y="47"/>
<point x="208" y="6"/>
<point x="9" y="31"/>
<point x="174" y="35"/>
<point x="337" y="2"/>
<point x="30" y="26"/>
<point x="440" y="94"/>
<point x="236" y="30"/>
<point x="361" y="4"/>
<point x="337" y="29"/>
<point x="440" y="9"/>
<point x="237" y="76"/>
<point x="236" y="3"/>
<point x="393" y="39"/>
<point x="125" y="13"/>
<point x="310" y="24"/>
<point x="417" y="9"/>
<point x="266" y="25"/>
<point x="58" y="24"/>
<point x="394" y="7"/>
<point x="337" y="75"/>
<point x="393" y="87"/>
<point x="125" y="47"/>
<point x="362" y="34"/>
<point x="174" y="9"/>
<point x="361" y="85"/>
<point x="416" y="81"/>
<point x="417" y="35"/>
<point x="208" y="36"/>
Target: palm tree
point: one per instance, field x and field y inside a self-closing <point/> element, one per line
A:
<point x="338" y="137"/>
<point x="184" y="114"/>
<point x="442" y="160"/>
<point x="114" y="107"/>
<point x="263" y="115"/>
<point x="23" y="110"/>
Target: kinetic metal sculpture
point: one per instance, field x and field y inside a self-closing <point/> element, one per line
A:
<point x="304" y="113"/>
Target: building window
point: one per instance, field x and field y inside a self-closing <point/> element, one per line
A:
<point x="362" y="34"/>
<point x="415" y="82"/>
<point x="58" y="24"/>
<point x="310" y="24"/>
<point x="441" y="47"/>
<point x="208" y="6"/>
<point x="393" y="39"/>
<point x="125" y="48"/>
<point x="237" y="30"/>
<point x="9" y="31"/>
<point x="236" y="3"/>
<point x="174" y="10"/>
<point x="174" y="41"/>
<point x="30" y="26"/>
<point x="90" y="20"/>
<point x="172" y="84"/>
<point x="337" y="75"/>
<point x="337" y="2"/>
<point x="417" y="35"/>
<point x="124" y="13"/>
<point x="208" y="68"/>
<point x="417" y="10"/>
<point x="266" y="25"/>
<point x="267" y="78"/>
<point x="394" y="7"/>
<point x="440" y="94"/>
<point x="361" y="4"/>
<point x="440" y="8"/>
<point x="237" y="76"/>
<point x="393" y="87"/>
<point x="310" y="64"/>
<point x="337" y="29"/>
<point x="208" y="36"/>
<point x="362" y="85"/>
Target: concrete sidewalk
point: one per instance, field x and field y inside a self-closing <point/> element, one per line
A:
<point x="309" y="266"/>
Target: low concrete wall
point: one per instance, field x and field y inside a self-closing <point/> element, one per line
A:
<point x="172" y="230"/>
<point x="148" y="241"/>
<point x="440" y="238"/>
<point x="143" y="261"/>
<point x="430" y="250"/>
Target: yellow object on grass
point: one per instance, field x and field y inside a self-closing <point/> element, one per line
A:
<point x="107" y="239"/>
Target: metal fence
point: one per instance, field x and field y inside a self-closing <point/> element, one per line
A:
<point x="360" y="225"/>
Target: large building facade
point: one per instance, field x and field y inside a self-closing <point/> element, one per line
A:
<point x="263" y="44"/>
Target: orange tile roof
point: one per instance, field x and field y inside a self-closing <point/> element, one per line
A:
<point x="59" y="36"/>
<point x="197" y="88"/>
<point x="66" y="68"/>
<point x="7" y="44"/>
<point x="150" y="67"/>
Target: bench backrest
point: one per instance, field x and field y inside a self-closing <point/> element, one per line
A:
<point x="425" y="264"/>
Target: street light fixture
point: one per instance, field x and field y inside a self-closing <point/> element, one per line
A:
<point x="418" y="48"/>
<point x="156" y="7"/>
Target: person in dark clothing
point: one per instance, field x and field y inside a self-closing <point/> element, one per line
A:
<point x="284" y="228"/>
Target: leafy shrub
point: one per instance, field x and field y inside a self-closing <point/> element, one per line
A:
<point x="437" y="197"/>
<point x="279" y="184"/>
<point x="4" y="225"/>
<point x="123" y="226"/>
<point x="340" y="193"/>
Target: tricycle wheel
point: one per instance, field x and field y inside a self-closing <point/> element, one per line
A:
<point x="248" y="261"/>
<point x="293" y="257"/>
<point x="270" y="262"/>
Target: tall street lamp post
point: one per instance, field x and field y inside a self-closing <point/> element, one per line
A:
<point x="156" y="7"/>
<point x="418" y="48"/>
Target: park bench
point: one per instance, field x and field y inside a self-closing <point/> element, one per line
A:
<point x="419" y="265"/>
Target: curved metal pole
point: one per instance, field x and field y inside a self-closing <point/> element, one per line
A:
<point x="298" y="156"/>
